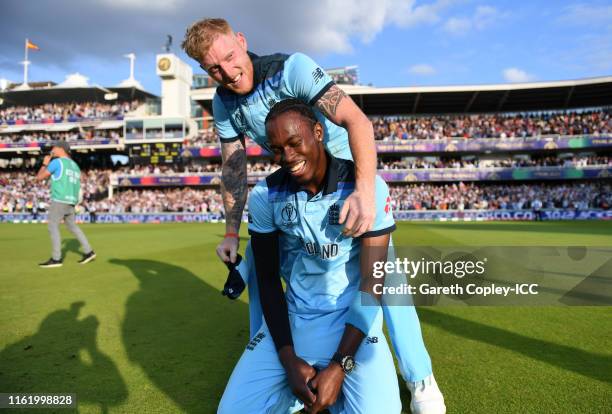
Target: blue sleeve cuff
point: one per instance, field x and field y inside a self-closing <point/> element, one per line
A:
<point x="363" y="312"/>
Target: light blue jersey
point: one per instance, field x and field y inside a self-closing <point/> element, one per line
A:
<point x="276" y="77"/>
<point x="319" y="264"/>
<point x="321" y="268"/>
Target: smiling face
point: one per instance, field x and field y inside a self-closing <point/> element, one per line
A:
<point x="228" y="63"/>
<point x="297" y="146"/>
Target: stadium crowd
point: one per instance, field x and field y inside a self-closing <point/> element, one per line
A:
<point x="20" y="192"/>
<point x="481" y="196"/>
<point x="492" y="125"/>
<point x="71" y="136"/>
<point x="66" y="112"/>
<point x="393" y="128"/>
<point x="192" y="167"/>
<point x="551" y="161"/>
<point x="155" y="201"/>
<point x="255" y="166"/>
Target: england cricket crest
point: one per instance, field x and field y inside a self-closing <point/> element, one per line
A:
<point x="333" y="214"/>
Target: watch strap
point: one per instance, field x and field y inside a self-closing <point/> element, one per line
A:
<point x="342" y="361"/>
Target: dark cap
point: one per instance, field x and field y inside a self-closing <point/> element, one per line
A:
<point x="63" y="145"/>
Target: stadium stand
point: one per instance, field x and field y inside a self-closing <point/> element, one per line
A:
<point x="524" y="125"/>
<point x="451" y="163"/>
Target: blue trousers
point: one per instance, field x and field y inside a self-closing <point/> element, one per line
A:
<point x="259" y="384"/>
<point x="401" y="319"/>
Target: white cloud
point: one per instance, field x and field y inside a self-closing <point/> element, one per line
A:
<point x="141" y="26"/>
<point x="457" y="26"/>
<point x="516" y="75"/>
<point x="482" y="18"/>
<point x="422" y="69"/>
<point x="135" y="5"/>
<point x="582" y="14"/>
<point x="329" y="25"/>
<point x="485" y="16"/>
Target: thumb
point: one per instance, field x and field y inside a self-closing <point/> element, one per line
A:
<point x="313" y="384"/>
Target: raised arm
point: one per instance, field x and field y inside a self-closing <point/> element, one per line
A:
<point x="234" y="193"/>
<point x="43" y="172"/>
<point x="358" y="211"/>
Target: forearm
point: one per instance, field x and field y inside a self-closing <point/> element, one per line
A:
<point x="42" y="172"/>
<point x="233" y="184"/>
<point x="351" y="339"/>
<point x="361" y="141"/>
<point x="341" y="110"/>
<point x="272" y="297"/>
<point x="366" y="304"/>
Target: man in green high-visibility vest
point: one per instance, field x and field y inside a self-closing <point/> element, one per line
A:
<point x="65" y="188"/>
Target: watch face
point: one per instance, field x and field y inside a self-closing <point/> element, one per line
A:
<point x="163" y="64"/>
<point x="348" y="363"/>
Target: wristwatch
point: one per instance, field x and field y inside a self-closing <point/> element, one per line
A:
<point x="346" y="362"/>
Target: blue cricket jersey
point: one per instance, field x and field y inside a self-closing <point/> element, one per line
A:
<point x="319" y="264"/>
<point x="276" y="77"/>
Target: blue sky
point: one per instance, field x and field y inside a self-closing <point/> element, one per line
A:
<point x="394" y="43"/>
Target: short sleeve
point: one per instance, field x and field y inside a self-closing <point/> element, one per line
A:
<point x="223" y="122"/>
<point x="383" y="222"/>
<point x="261" y="213"/>
<point x="305" y="79"/>
<point x="55" y="168"/>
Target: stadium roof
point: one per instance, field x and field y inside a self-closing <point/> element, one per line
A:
<point x="506" y="97"/>
<point x="60" y="94"/>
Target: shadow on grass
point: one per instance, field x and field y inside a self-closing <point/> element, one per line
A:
<point x="183" y="333"/>
<point x="595" y="366"/>
<point x="71" y="245"/>
<point x="62" y="357"/>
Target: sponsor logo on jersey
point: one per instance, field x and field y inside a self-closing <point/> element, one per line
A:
<point x="317" y="75"/>
<point x="388" y="205"/>
<point x="256" y="340"/>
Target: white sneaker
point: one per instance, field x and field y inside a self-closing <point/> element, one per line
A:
<point x="426" y="397"/>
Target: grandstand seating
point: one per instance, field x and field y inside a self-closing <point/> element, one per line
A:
<point x="484" y="162"/>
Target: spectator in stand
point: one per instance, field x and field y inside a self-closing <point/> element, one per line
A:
<point x="483" y="196"/>
<point x="436" y="127"/>
<point x="66" y="112"/>
<point x="492" y="125"/>
<point x="71" y="136"/>
<point x="549" y="161"/>
<point x="189" y="200"/>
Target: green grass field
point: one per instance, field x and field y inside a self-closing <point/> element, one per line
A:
<point x="144" y="327"/>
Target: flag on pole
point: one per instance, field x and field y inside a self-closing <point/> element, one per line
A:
<point x="31" y="45"/>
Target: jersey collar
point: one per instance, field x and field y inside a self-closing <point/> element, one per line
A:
<point x="257" y="75"/>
